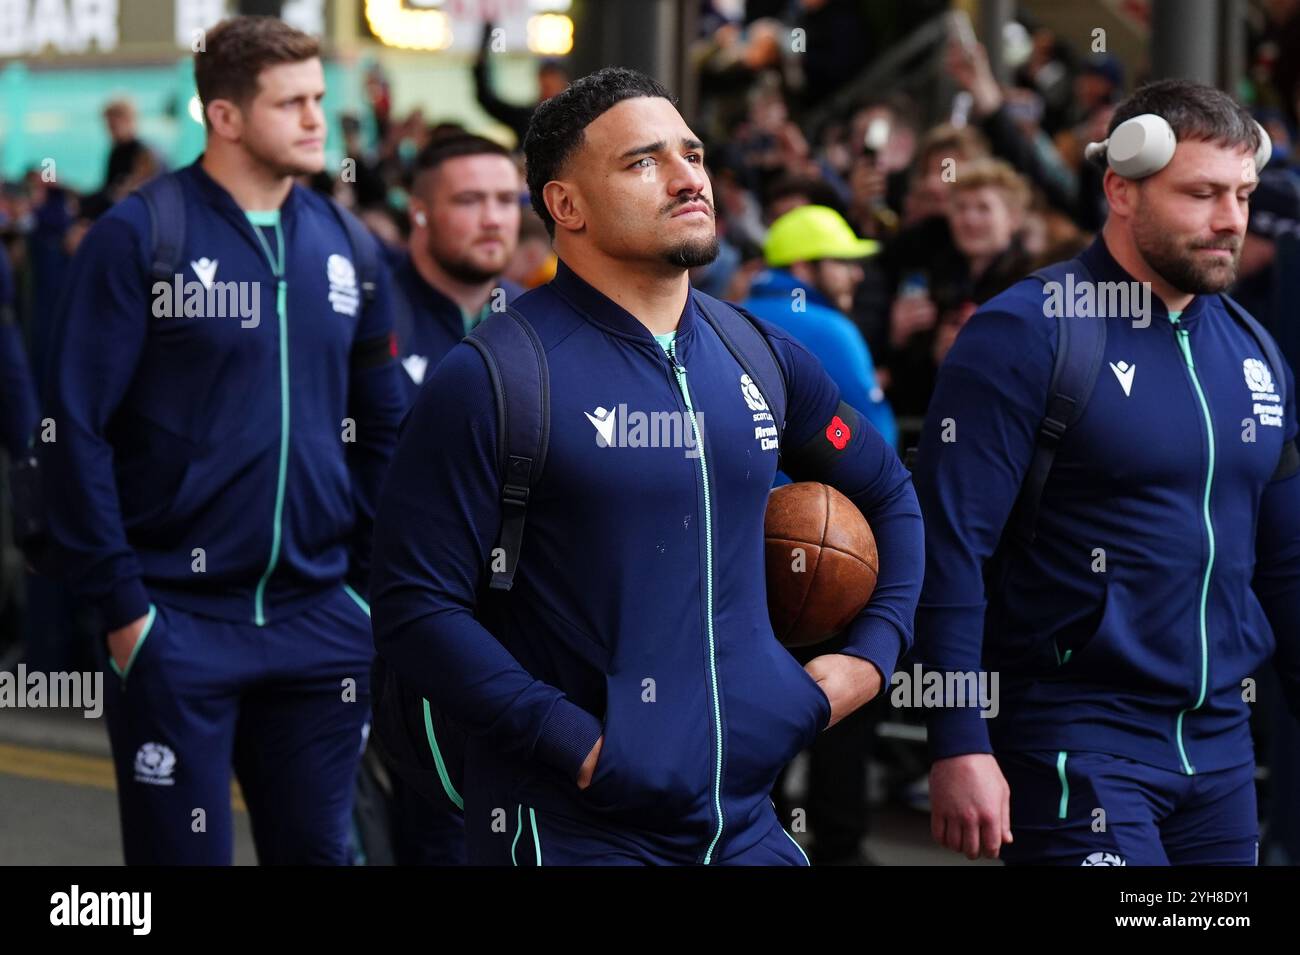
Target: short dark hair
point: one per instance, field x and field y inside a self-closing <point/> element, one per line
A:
<point x="237" y="50"/>
<point x="454" y="146"/>
<point x="1194" y="111"/>
<point x="556" y="130"/>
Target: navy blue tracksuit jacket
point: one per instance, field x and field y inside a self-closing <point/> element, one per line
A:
<point x="214" y="432"/>
<point x="427" y="323"/>
<point x="639" y="609"/>
<point x="1166" y="568"/>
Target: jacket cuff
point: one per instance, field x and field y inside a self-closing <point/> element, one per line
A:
<point x="125" y="602"/>
<point x="957" y="731"/>
<point x="877" y="641"/>
<point x="567" y="737"/>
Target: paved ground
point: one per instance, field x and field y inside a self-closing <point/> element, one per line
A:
<point x="58" y="793"/>
<point x="59" y="806"/>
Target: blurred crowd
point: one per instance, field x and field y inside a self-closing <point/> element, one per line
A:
<point x="963" y="183"/>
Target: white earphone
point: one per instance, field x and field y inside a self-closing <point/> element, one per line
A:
<point x="419" y="218"/>
<point x="1142" y="146"/>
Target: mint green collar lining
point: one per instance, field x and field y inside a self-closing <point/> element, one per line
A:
<point x="264" y="217"/>
<point x="472" y="321"/>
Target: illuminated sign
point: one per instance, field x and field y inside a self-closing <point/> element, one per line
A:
<point x="538" y="26"/>
<point x="28" y="27"/>
<point x="127" y="28"/>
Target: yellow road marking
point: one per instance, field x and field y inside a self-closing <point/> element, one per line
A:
<point x="74" y="769"/>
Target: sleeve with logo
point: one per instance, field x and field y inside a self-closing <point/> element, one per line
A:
<point x="437" y="524"/>
<point x="829" y="441"/>
<point x="1277" y="556"/>
<point x="855" y="372"/>
<point x="976" y="446"/>
<point x="99" y="332"/>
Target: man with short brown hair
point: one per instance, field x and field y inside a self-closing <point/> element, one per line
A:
<point x="226" y="402"/>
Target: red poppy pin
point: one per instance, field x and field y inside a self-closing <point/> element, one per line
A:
<point x="392" y="345"/>
<point x="838" y="433"/>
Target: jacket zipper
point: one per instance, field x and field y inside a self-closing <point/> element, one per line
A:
<point x="1185" y="346"/>
<point x="679" y="371"/>
<point x="281" y="289"/>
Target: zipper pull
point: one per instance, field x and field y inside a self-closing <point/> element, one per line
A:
<point x="678" y="367"/>
<point x="1185" y="344"/>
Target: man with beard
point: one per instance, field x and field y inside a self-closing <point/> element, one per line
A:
<point x="1126" y="561"/>
<point x="464" y="229"/>
<point x="465" y="216"/>
<point x="221" y="435"/>
<point x="626" y="701"/>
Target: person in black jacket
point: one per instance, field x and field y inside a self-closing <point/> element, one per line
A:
<point x="551" y="78"/>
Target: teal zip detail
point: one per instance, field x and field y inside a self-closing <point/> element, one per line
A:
<point x="1065" y="785"/>
<point x="519" y="828"/>
<point x="438" y="761"/>
<point x="281" y="289"/>
<point x="680" y="371"/>
<point x="806" y="860"/>
<point x="519" y="831"/>
<point x="124" y="672"/>
<point x="537" y="839"/>
<point x="1185" y="346"/>
<point x="357" y="599"/>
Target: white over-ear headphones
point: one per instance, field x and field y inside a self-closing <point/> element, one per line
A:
<point x="419" y="218"/>
<point x="1142" y="146"/>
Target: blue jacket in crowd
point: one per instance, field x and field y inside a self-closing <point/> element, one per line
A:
<point x="836" y="342"/>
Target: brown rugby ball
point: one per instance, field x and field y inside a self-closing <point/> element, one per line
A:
<point x="821" y="562"/>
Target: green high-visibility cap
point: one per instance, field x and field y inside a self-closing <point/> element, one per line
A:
<point x="809" y="233"/>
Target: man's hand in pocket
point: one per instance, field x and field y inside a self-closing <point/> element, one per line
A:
<point x="848" y="682"/>
<point x="123" y="640"/>
<point x="588" y="769"/>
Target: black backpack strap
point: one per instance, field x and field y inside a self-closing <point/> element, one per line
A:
<point x="751" y="349"/>
<point x="1290" y="461"/>
<point x="166" y="204"/>
<point x="365" y="254"/>
<point x="516" y="363"/>
<point x="1080" y="347"/>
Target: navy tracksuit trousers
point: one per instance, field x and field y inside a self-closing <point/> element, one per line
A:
<point x="286" y="705"/>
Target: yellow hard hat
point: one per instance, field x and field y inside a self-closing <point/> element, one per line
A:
<point x="809" y="233"/>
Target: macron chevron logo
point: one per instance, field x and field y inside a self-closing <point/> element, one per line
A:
<point x="1124" y="372"/>
<point x="603" y="422"/>
<point x="206" y="270"/>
